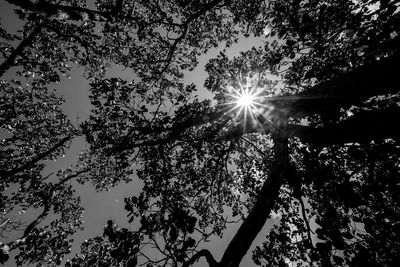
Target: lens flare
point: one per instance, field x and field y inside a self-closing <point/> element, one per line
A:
<point x="245" y="100"/>
<point x="248" y="105"/>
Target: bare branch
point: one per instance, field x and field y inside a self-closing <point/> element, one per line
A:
<point x="305" y="219"/>
<point x="202" y="253"/>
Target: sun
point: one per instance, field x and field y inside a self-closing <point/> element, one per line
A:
<point x="245" y="100"/>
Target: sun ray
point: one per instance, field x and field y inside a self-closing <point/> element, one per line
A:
<point x="249" y="104"/>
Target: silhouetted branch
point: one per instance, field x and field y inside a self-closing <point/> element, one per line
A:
<point x="70" y="177"/>
<point x="378" y="78"/>
<point x="364" y="126"/>
<point x="38" y="220"/>
<point x="73" y="12"/>
<point x="305" y="219"/>
<point x="202" y="253"/>
<point x="254" y="146"/>
<point x="185" y="26"/>
<point x="10" y="60"/>
<point x="37" y="158"/>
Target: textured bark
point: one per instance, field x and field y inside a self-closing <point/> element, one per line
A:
<point x="260" y="212"/>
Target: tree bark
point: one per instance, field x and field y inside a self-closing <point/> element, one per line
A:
<point x="260" y="212"/>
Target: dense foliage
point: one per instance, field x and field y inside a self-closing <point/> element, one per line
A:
<point x="320" y="150"/>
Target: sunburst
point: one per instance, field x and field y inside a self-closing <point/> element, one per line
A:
<point x="248" y="105"/>
<point x="245" y="100"/>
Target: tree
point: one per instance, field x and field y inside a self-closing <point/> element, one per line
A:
<point x="34" y="131"/>
<point x="319" y="141"/>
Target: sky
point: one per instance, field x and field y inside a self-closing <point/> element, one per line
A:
<point x="102" y="206"/>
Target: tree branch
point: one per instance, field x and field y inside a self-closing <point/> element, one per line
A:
<point x="362" y="127"/>
<point x="10" y="61"/>
<point x="348" y="89"/>
<point x="202" y="253"/>
<point x="38" y="220"/>
<point x="68" y="178"/>
<point x="73" y="12"/>
<point x="37" y="158"/>
<point x="185" y="26"/>
<point x="305" y="219"/>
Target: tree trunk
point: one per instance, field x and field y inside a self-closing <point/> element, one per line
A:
<point x="260" y="212"/>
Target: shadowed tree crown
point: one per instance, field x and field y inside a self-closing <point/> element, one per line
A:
<point x="301" y="128"/>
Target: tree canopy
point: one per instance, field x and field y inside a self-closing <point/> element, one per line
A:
<point x="315" y="143"/>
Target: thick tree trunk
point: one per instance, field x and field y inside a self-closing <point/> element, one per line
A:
<point x="260" y="212"/>
<point x="362" y="127"/>
<point x="348" y="89"/>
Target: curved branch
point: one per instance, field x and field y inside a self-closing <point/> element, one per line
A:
<point x="202" y="253"/>
<point x="305" y="219"/>
<point x="38" y="220"/>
